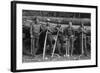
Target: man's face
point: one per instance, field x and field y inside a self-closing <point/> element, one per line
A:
<point x="44" y="25"/>
<point x="82" y="25"/>
<point x="58" y="24"/>
<point x="70" y="24"/>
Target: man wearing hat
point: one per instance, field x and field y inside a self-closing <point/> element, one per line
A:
<point x="49" y="37"/>
<point x="43" y="29"/>
<point x="59" y="41"/>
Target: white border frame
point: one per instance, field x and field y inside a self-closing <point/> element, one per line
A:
<point x="32" y="65"/>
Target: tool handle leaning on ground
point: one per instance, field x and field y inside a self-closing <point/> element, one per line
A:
<point x="82" y="44"/>
<point x="31" y="35"/>
<point x="45" y="44"/>
<point x="55" y="44"/>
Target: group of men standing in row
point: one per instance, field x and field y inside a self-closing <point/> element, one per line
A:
<point x="55" y="39"/>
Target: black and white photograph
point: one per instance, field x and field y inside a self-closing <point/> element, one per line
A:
<point x="56" y="36"/>
<point x="48" y="36"/>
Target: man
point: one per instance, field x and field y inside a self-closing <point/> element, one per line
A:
<point x="43" y="29"/>
<point x="59" y="38"/>
<point x="41" y="38"/>
<point x="26" y="38"/>
<point x="49" y="37"/>
<point x="69" y="33"/>
<point x="83" y="45"/>
<point x="35" y="30"/>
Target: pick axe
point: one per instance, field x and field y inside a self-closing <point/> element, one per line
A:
<point x="45" y="45"/>
<point x="55" y="44"/>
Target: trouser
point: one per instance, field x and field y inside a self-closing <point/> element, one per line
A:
<point x="60" y="44"/>
<point x="66" y="46"/>
<point x="84" y="50"/>
<point x="35" y="44"/>
<point x="49" y="44"/>
<point x="70" y="46"/>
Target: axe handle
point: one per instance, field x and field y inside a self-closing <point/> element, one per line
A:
<point x="31" y="35"/>
<point x="82" y="44"/>
<point x="45" y="44"/>
<point x="55" y="44"/>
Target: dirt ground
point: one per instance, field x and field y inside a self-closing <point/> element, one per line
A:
<point x="56" y="57"/>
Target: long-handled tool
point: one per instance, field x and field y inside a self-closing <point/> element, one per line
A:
<point x="72" y="48"/>
<point x="31" y="34"/>
<point x="82" y="50"/>
<point x="82" y="44"/>
<point x="45" y="45"/>
<point x="31" y="46"/>
<point x="67" y="47"/>
<point x="55" y="44"/>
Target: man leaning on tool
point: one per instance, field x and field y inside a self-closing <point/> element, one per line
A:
<point x="83" y="46"/>
<point x="59" y="40"/>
